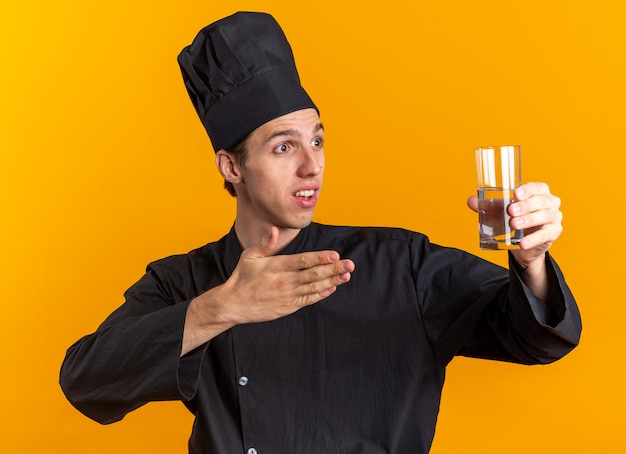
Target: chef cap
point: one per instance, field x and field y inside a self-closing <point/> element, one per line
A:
<point x="240" y="73"/>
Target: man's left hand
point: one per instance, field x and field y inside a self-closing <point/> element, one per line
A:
<point x="537" y="212"/>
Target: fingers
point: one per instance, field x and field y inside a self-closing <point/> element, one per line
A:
<point x="282" y="284"/>
<point x="472" y="202"/>
<point x="538" y="213"/>
<point x="534" y="206"/>
<point x="315" y="275"/>
<point x="529" y="190"/>
<point x="535" y="212"/>
<point x="267" y="244"/>
<point x="328" y="275"/>
<point x="319" y="269"/>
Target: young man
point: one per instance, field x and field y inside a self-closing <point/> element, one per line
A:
<point x="290" y="336"/>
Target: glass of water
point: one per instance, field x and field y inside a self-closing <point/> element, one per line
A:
<point x="499" y="170"/>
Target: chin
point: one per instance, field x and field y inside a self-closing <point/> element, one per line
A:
<point x="301" y="223"/>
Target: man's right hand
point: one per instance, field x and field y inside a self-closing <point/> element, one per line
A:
<point x="264" y="287"/>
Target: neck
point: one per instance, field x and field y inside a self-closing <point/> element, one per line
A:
<point x="250" y="235"/>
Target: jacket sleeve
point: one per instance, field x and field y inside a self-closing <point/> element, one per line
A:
<point x="472" y="307"/>
<point x="134" y="356"/>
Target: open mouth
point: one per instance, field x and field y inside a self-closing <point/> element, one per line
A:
<point x="306" y="193"/>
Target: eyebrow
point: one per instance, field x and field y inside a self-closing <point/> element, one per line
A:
<point x="291" y="133"/>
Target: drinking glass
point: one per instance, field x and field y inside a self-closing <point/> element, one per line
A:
<point x="499" y="170"/>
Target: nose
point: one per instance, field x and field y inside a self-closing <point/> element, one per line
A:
<point x="312" y="162"/>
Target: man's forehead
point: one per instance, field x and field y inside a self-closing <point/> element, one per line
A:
<point x="295" y="124"/>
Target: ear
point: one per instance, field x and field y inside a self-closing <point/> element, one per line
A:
<point x="228" y="167"/>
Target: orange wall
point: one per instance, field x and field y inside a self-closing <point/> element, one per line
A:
<point x="105" y="167"/>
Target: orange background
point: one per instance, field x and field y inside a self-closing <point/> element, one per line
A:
<point x="105" y="167"/>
